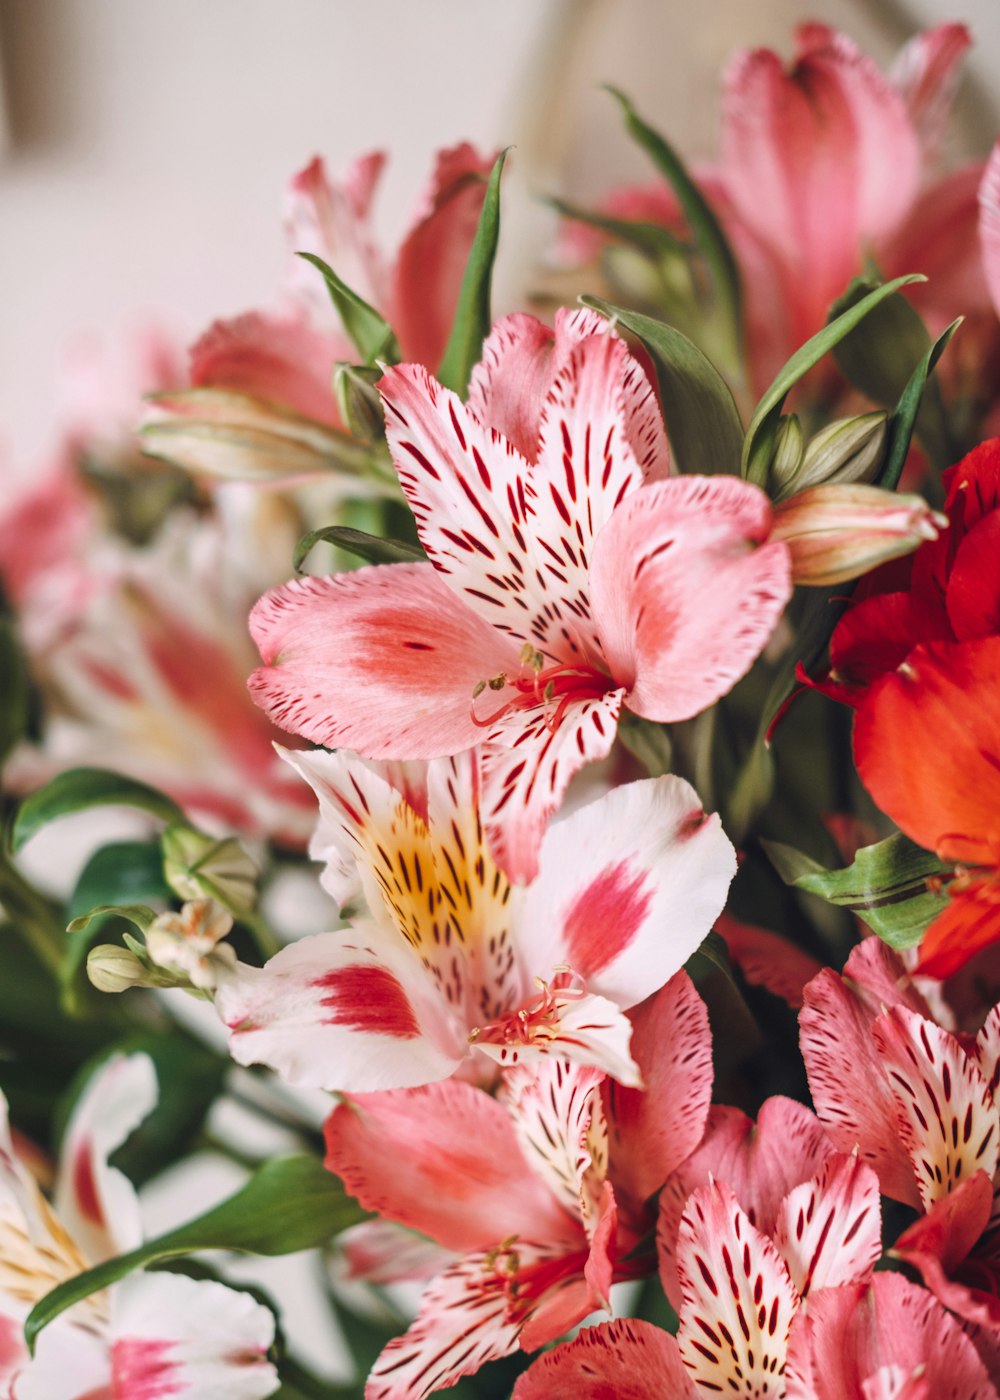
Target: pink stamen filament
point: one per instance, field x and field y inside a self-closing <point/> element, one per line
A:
<point x="565" y="683"/>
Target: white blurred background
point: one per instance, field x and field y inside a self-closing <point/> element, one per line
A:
<point x="146" y="142"/>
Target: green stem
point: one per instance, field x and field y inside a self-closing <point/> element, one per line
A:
<point x="36" y="916"/>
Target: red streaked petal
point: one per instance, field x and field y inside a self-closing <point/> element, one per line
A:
<point x="846" y="1078"/>
<point x="528" y="759"/>
<point x="383" y="660"/>
<point x="947" y="1118"/>
<point x="557" y="1115"/>
<point x="355" y="1010"/>
<point x="988" y="1052"/>
<point x="927" y="72"/>
<point x="686" y="591"/>
<point x="444" y="1159"/>
<point x="628" y="887"/>
<point x="760" y="1163"/>
<point x="653" y="1130"/>
<point x="888" y="1338"/>
<point x="431" y="259"/>
<point x="627" y="1359"/>
<point x="829" y="1229"/>
<point x="737" y="1299"/>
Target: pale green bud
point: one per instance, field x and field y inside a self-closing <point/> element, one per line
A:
<point x="358" y="401"/>
<point x="789" y="446"/>
<point x="849" y="450"/>
<point x="114" y="969"/>
<point x="197" y="866"/>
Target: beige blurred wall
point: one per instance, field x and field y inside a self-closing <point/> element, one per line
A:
<point x="148" y="140"/>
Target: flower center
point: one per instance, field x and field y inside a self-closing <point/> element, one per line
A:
<point x="559" y="686"/>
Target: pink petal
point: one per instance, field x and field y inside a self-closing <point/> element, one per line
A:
<point x="70" y="1361"/>
<point x="444" y="1160"/>
<point x="355" y="1011"/>
<point x="528" y="759"/>
<point x="96" y="1202"/>
<point x="627" y="1359"/>
<point x="851" y="1339"/>
<point x="829" y="1229"/>
<point x="846" y="1078"/>
<point x="171" y="1335"/>
<point x="653" y="1130"/>
<point x="946" y="1115"/>
<point x="383" y="660"/>
<point x="557" y="1116"/>
<point x="737" y="1299"/>
<point x="686" y="591"/>
<point x="988" y="1052"/>
<point x="376" y="1251"/>
<point x="627" y="889"/>
<point x="941" y="238"/>
<point x="508" y="386"/>
<point x="989" y="224"/>
<point x="761" y="1164"/>
<point x="927" y="72"/>
<point x="279" y="358"/>
<point x="939" y="1244"/>
<point x="806" y="155"/>
<point x="332" y="218"/>
<point x="432" y="257"/>
<point x="569" y="1289"/>
<point x="768" y="960"/>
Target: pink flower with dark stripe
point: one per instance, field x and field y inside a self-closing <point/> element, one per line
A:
<point x="446" y="965"/>
<point x="568" y="576"/>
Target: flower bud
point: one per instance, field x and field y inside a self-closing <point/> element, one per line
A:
<point x="114" y="969"/>
<point x="848" y="450"/>
<point x="839" y="532"/>
<point x="789" y="445"/>
<point x="358" y="401"/>
<point x="197" y="866"/>
<point x="189" y="942"/>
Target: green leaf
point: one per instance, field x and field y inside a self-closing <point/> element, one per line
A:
<point x="15" y="690"/>
<point x="879" y="355"/>
<point x="80" y="788"/>
<point x="372" y="548"/>
<point x="472" y="320"/>
<point x="904" y="419"/>
<point x="706" y="434"/>
<point x="140" y="915"/>
<point x="653" y="240"/>
<point x="648" y="742"/>
<point x="702" y="221"/>
<point x="290" y="1203"/>
<point x="372" y="335"/>
<point x="119" y="873"/>
<point x="759" y="443"/>
<point x="886" y="885"/>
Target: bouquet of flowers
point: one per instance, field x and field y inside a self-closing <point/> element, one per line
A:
<point x="569" y="909"/>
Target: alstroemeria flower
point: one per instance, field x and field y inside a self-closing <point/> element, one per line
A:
<point x="567" y="577"/>
<point x="541" y="1192"/>
<point x="445" y="960"/>
<point x="160" y="1333"/>
<point x="921" y="1105"/>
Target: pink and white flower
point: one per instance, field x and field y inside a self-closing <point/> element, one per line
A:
<point x="568" y="576"/>
<point x="541" y="1193"/>
<point x="150" y="1333"/>
<point x="445" y="960"/>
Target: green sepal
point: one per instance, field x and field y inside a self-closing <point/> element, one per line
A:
<point x="472" y="321"/>
<point x="905" y="417"/>
<point x="705" y="228"/>
<point x="371" y="548"/>
<point x="886" y="885"/>
<point x="703" y="423"/>
<point x="78" y="789"/>
<point x="290" y="1203"/>
<point x="760" y="439"/>
<point x="371" y="333"/>
<point x="140" y="915"/>
<point x="15" y="690"/>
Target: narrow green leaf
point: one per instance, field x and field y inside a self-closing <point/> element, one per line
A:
<point x="372" y="335"/>
<point x="891" y="885"/>
<point x="372" y="548"/>
<point x="702" y="420"/>
<point x="290" y="1203"/>
<point x="879" y="355"/>
<point x="651" y="239"/>
<point x="80" y="788"/>
<point x="472" y="320"/>
<point x="15" y="690"/>
<point x="705" y="227"/>
<point x="904" y="419"/>
<point x="759" y="443"/>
